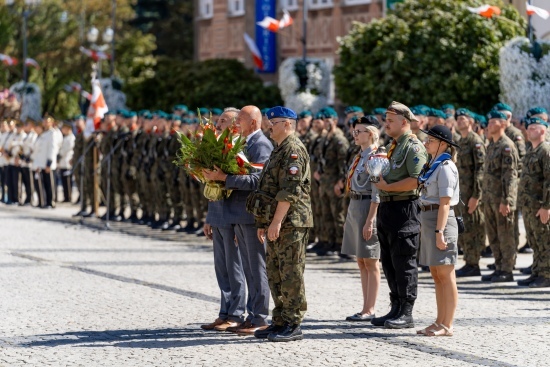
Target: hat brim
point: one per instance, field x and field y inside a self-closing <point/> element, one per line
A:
<point x="428" y="132"/>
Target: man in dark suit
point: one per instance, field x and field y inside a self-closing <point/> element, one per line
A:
<point x="257" y="149"/>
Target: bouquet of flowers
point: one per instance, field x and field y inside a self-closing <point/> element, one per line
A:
<point x="206" y="149"/>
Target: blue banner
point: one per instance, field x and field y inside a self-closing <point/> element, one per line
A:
<point x="266" y="41"/>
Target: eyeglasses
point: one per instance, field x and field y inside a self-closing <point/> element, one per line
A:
<point x="357" y="132"/>
<point x="275" y="122"/>
<point x="428" y="141"/>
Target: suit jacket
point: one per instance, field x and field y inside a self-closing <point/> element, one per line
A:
<point x="233" y="209"/>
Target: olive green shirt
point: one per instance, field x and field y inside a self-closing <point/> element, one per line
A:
<point x="406" y="161"/>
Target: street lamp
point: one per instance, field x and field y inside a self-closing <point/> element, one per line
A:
<point x="107" y="38"/>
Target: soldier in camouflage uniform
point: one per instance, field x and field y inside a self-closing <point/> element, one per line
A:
<point x="516" y="136"/>
<point x="174" y="186"/>
<point x="107" y="143"/>
<point x="286" y="180"/>
<point x="500" y="194"/>
<point x="421" y="113"/>
<point x="116" y="163"/>
<point x="143" y="164"/>
<point x="128" y="170"/>
<point x="78" y="152"/>
<point x="331" y="169"/>
<point x="470" y="160"/>
<point x="534" y="196"/>
<point x="161" y="203"/>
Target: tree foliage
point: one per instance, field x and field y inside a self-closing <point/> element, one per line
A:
<point x="426" y="51"/>
<point x="211" y="83"/>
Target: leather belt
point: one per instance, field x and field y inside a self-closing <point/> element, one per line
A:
<point x="385" y="199"/>
<point x="356" y="196"/>
<point x="426" y="208"/>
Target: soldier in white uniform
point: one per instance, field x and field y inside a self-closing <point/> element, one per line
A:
<point x="14" y="149"/>
<point x="25" y="161"/>
<point x="64" y="161"/>
<point x="45" y="163"/>
<point x="7" y="130"/>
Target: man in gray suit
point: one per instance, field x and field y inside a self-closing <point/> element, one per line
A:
<point x="257" y="149"/>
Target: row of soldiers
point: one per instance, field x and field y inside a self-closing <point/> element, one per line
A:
<point x="331" y="150"/>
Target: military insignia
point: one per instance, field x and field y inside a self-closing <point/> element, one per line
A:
<point x="518" y="138"/>
<point x="508" y="160"/>
<point x="416" y="160"/>
<point x="416" y="149"/>
<point x="507" y="150"/>
<point x="293" y="170"/>
<point x="478" y="146"/>
<point x="294" y="156"/>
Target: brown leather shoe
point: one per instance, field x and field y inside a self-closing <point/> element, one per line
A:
<point x="250" y="330"/>
<point x="244" y="325"/>
<point x="212" y="325"/>
<point x="226" y="324"/>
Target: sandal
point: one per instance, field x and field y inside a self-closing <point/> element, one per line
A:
<point x="444" y="331"/>
<point x="428" y="328"/>
<point x="360" y="317"/>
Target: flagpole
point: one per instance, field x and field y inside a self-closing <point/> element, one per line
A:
<point x="304" y="32"/>
<point x="530" y="26"/>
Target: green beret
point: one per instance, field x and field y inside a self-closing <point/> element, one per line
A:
<point x="378" y="111"/>
<point x="434" y="112"/>
<point x="319" y="115"/>
<point x="496" y="114"/>
<point x="464" y="112"/>
<point x="502" y="107"/>
<point x="535" y="121"/>
<point x="536" y="111"/>
<point x="217" y="111"/>
<point x="421" y="110"/>
<point x="264" y="111"/>
<point x="305" y="113"/>
<point x="329" y="112"/>
<point x="204" y="111"/>
<point x="84" y="117"/>
<point x="353" y="121"/>
<point x="181" y="107"/>
<point x="447" y="106"/>
<point x="480" y="119"/>
<point x="108" y="113"/>
<point x="353" y="109"/>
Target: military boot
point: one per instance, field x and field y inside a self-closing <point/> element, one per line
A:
<point x="404" y="318"/>
<point x="528" y="281"/>
<point x="468" y="271"/>
<point x="380" y="321"/>
<point x="189" y="227"/>
<point x="503" y="276"/>
<point x="540" y="282"/>
<point x="488" y="277"/>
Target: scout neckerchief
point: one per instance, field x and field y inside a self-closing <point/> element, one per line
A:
<point x="392" y="148"/>
<point x="430" y="169"/>
<point x="352" y="171"/>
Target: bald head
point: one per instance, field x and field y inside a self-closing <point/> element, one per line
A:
<point x="249" y="120"/>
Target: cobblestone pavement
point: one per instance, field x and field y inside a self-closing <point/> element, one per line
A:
<point x="73" y="295"/>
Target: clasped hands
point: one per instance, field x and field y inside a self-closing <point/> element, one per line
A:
<point x="214" y="175"/>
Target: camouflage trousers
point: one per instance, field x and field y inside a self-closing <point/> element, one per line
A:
<point x="87" y="196"/>
<point x="538" y="236"/>
<point x="500" y="232"/>
<point x="472" y="241"/>
<point x="317" y="211"/>
<point x="113" y="197"/>
<point x="163" y="202"/>
<point x="333" y="215"/>
<point x="198" y="201"/>
<point x="285" y="264"/>
<point x="175" y="194"/>
<point x="145" y="195"/>
<point x="129" y="187"/>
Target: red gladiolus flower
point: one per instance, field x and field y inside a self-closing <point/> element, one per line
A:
<point x="229" y="146"/>
<point x="240" y="162"/>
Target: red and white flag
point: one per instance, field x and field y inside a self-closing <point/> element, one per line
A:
<point x="532" y="10"/>
<point x="486" y="11"/>
<point x="95" y="55"/>
<point x="256" y="55"/>
<point x="8" y="60"/>
<point x="97" y="109"/>
<point x="32" y="62"/>
<point x="274" y="25"/>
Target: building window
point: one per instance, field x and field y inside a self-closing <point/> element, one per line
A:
<point x="357" y="2"/>
<point x="235" y="7"/>
<point x="289" y="4"/>
<point x="320" y="4"/>
<point x="206" y="9"/>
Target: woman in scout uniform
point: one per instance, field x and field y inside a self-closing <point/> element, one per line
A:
<point x="439" y="229"/>
<point x="360" y="236"/>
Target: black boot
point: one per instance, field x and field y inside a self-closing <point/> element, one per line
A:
<point x="528" y="281"/>
<point x="329" y="249"/>
<point x="287" y="334"/>
<point x="487" y="252"/>
<point x="263" y="334"/>
<point x="380" y="321"/>
<point x="314" y="247"/>
<point x="404" y="318"/>
<point x="503" y="276"/>
<point x="134" y="218"/>
<point x="489" y="277"/>
<point x="527" y="271"/>
<point x="468" y="271"/>
<point x="190" y="227"/>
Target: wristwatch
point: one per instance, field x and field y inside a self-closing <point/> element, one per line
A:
<point x="439" y="230"/>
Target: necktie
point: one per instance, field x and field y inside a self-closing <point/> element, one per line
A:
<point x="392" y="148"/>
<point x="352" y="171"/>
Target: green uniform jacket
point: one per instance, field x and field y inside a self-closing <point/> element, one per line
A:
<point x="286" y="177"/>
<point x="517" y="137"/>
<point x="501" y="173"/>
<point x="333" y="156"/>
<point x="534" y="184"/>
<point x="470" y="160"/>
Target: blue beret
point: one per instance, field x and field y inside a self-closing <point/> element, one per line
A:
<point x="142" y="112"/>
<point x="121" y="112"/>
<point x="378" y="111"/>
<point x="535" y="121"/>
<point x="181" y="107"/>
<point x="464" y="112"/>
<point x="354" y="120"/>
<point x="536" y="111"/>
<point x="305" y="113"/>
<point x="352" y="109"/>
<point x="204" y="111"/>
<point x="434" y="112"/>
<point x="160" y="114"/>
<point x="217" y="111"/>
<point x="281" y="111"/>
<point x="496" y="114"/>
<point x="191" y="114"/>
<point x="502" y="107"/>
<point x="176" y="118"/>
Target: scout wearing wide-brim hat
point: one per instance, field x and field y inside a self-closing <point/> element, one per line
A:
<point x="397" y="108"/>
<point x="441" y="132"/>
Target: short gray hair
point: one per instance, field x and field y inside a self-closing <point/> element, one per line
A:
<point x="231" y="109"/>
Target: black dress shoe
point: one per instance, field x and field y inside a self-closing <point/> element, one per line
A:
<point x="380" y="321"/>
<point x="540" y="282"/>
<point x="527" y="271"/>
<point x="526" y="249"/>
<point x="489" y="277"/>
<point x="287" y="334"/>
<point x="134" y="218"/>
<point x="468" y="271"/>
<point x="263" y="334"/>
<point x="487" y="252"/>
<point x="159" y="224"/>
<point x="526" y="282"/>
<point x="503" y="276"/>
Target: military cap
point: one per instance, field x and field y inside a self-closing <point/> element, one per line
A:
<point x="280" y="111"/>
<point x="447" y="106"/>
<point x="19" y="123"/>
<point x="421" y="110"/>
<point x="181" y="107"/>
<point x="434" y="112"/>
<point x="319" y="115"/>
<point x="378" y="111"/>
<point x="121" y="112"/>
<point x="535" y="121"/>
<point x="108" y="113"/>
<point x="464" y="112"/>
<point x="217" y="111"/>
<point x="397" y="108"/>
<point x="305" y="113"/>
<point x="329" y="112"/>
<point x="82" y="117"/>
<point x="264" y="111"/>
<point x="148" y="115"/>
<point x="191" y="114"/>
<point x="142" y="112"/>
<point x="495" y="114"/>
<point x="353" y="109"/>
<point x="176" y="118"/>
<point x="369" y="120"/>
<point x="536" y="111"/>
<point x="442" y="133"/>
<point x="204" y="111"/>
<point x="481" y="120"/>
<point x="129" y="114"/>
<point x="161" y="114"/>
<point x="502" y="107"/>
<point x="67" y="123"/>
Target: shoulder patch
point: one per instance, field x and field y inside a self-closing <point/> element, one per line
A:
<point x="293" y="170"/>
<point x="518" y="138"/>
<point x="507" y="149"/>
<point x="478" y="146"/>
<point x="416" y="160"/>
<point x="416" y="148"/>
<point x="294" y="156"/>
